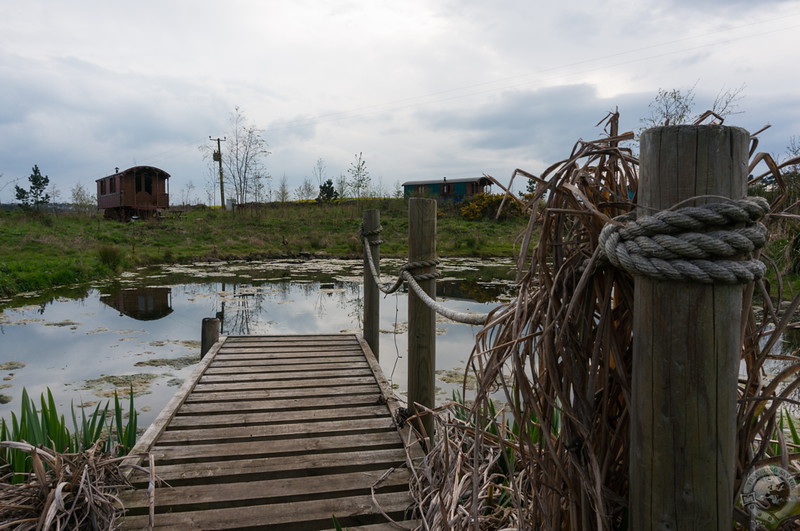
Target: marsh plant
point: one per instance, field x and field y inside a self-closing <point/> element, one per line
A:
<point x="43" y="427"/>
<point x="556" y="455"/>
<point x="54" y="478"/>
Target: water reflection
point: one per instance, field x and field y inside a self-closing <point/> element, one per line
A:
<point x="142" y="304"/>
<point x="145" y="326"/>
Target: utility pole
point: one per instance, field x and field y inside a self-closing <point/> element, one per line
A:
<point x="218" y="158"/>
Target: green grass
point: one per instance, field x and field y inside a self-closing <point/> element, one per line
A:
<point x="47" y="250"/>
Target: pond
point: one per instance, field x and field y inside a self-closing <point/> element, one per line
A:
<point x="143" y="329"/>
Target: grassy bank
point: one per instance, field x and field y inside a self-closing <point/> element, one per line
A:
<point x="45" y="250"/>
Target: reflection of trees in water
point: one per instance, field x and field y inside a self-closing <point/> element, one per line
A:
<point x="240" y="309"/>
<point x="344" y="294"/>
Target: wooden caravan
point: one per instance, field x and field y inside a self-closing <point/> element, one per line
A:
<point x="141" y="191"/>
<point x="447" y="189"/>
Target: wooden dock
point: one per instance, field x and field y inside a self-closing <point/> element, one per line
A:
<point x="278" y="432"/>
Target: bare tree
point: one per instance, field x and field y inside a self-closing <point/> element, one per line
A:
<point x="306" y="190"/>
<point x="243" y="155"/>
<point x="211" y="183"/>
<point x="282" y="194"/>
<point x="359" y="176"/>
<point x="342" y="186"/>
<point x="676" y="107"/>
<point x="319" y="171"/>
<point x="670" y="107"/>
<point x="82" y="201"/>
<point x="188" y="194"/>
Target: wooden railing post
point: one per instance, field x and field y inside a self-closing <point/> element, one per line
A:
<point x="209" y="334"/>
<point x="421" y="318"/>
<point x="686" y="347"/>
<point x="372" y="312"/>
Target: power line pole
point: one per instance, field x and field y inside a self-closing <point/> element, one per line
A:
<point x="218" y="158"/>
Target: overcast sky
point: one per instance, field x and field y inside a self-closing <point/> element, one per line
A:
<point x="423" y="88"/>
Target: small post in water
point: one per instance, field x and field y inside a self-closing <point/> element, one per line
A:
<point x="209" y="334"/>
<point x="421" y="318"/>
<point x="372" y="312"/>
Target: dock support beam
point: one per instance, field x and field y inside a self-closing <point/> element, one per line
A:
<point x="686" y="347"/>
<point x="372" y="310"/>
<point x="421" y="318"/>
<point x="209" y="334"/>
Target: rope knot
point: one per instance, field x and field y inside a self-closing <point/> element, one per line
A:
<point x="422" y="264"/>
<point x="705" y="244"/>
<point x="367" y="234"/>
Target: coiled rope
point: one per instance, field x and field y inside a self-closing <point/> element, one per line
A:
<point x="707" y="244"/>
<point x="406" y="274"/>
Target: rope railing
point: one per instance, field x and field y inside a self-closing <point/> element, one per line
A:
<point x="405" y="274"/>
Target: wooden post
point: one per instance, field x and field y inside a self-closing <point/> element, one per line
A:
<point x="209" y="334"/>
<point x="421" y="318"/>
<point x="372" y="310"/>
<point x="686" y="347"/>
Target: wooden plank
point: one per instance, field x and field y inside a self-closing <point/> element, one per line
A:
<point x="327" y="463"/>
<point x="230" y="433"/>
<point x="292" y="339"/>
<point x="352" y="412"/>
<point x="413" y="446"/>
<point x="234" y="353"/>
<point x="279" y="439"/>
<point x="277" y="367"/>
<point x="266" y="491"/>
<point x="271" y="394"/>
<point x="175" y="453"/>
<point x="205" y="408"/>
<point x="284" y="375"/>
<point x="349" y="510"/>
<point x="299" y="383"/>
<point x="291" y="362"/>
<point x="155" y="429"/>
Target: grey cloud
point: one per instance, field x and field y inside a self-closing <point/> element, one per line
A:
<point x="547" y="121"/>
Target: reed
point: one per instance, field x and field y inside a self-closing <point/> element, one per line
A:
<point x="45" y="428"/>
<point x="556" y="455"/>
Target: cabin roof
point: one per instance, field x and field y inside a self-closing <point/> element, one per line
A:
<point x="480" y="180"/>
<point x="139" y="169"/>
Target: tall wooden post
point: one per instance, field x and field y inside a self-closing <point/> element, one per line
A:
<point x="209" y="334"/>
<point x="686" y="347"/>
<point x="372" y="312"/>
<point x="421" y="318"/>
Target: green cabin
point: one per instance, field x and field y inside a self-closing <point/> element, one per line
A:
<point x="447" y="189"/>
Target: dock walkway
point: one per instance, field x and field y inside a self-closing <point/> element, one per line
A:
<point x="278" y="432"/>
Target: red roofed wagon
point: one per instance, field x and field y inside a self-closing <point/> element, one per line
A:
<point x="141" y="191"/>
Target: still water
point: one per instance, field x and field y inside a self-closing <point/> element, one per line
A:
<point x="143" y="329"/>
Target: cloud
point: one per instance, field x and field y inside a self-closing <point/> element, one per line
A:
<point x="545" y="122"/>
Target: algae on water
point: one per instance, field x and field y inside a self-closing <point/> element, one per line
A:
<point x="175" y="363"/>
<point x="122" y="384"/>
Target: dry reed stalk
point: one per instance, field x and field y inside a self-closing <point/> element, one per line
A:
<point x="560" y="356"/>
<point x="65" y="491"/>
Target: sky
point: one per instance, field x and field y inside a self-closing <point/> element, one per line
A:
<point x="423" y="89"/>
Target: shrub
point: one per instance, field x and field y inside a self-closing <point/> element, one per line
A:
<point x="482" y="206"/>
<point x="110" y="256"/>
